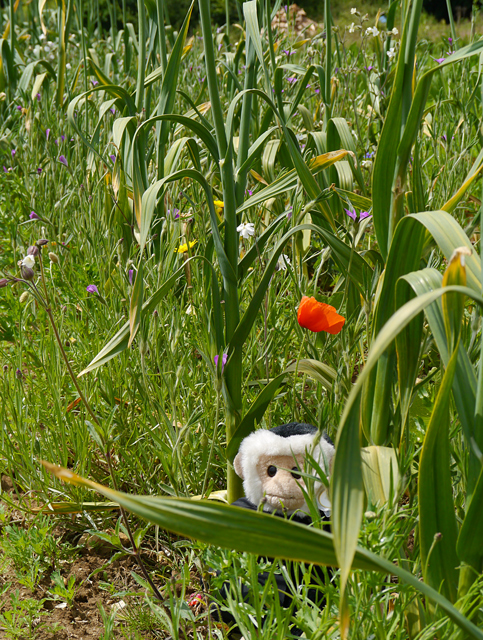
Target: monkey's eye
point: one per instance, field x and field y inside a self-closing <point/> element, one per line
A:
<point x="295" y="473"/>
<point x="272" y="470"/>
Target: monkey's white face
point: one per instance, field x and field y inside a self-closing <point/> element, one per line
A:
<point x="281" y="481"/>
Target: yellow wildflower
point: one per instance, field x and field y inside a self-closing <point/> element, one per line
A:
<point x="219" y="205"/>
<point x="183" y="248"/>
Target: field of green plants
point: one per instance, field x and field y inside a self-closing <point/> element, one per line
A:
<point x="167" y="198"/>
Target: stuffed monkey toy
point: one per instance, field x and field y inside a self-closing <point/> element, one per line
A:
<point x="269" y="462"/>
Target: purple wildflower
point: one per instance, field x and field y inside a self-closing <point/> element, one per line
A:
<point x="5" y="170"/>
<point x="317" y="90"/>
<point x="34" y="216"/>
<point x="63" y="160"/>
<point x="113" y="157"/>
<point x="289" y="212"/>
<point x="351" y="213"/>
<point x="369" y="154"/>
<point x="95" y="82"/>
<point x="224" y="359"/>
<point x="291" y="80"/>
<point x="364" y="214"/>
<point x="369" y="68"/>
<point x="130" y="274"/>
<point x="19" y="107"/>
<point x="450" y="40"/>
<point x="13" y="153"/>
<point x="39" y="97"/>
<point x="439" y="60"/>
<point x="113" y="111"/>
<point x="91" y="288"/>
<point x="39" y="170"/>
<point x="62" y="137"/>
<point x="47" y="134"/>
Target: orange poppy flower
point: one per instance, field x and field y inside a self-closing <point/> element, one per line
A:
<point x="318" y="316"/>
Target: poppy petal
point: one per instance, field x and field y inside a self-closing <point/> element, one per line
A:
<point x="318" y="316"/>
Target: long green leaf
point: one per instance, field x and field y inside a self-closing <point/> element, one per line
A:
<point x="347" y="497"/>
<point x="437" y="520"/>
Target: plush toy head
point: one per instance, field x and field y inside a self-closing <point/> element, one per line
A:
<point x="268" y="461"/>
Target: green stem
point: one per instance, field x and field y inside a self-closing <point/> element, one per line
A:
<point x="451" y="21"/>
<point x="141" y="57"/>
<point x="233" y="376"/>
<point x="161" y="35"/>
<point x="328" y="62"/>
<point x="215" y="433"/>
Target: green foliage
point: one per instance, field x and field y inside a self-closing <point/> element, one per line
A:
<point x="137" y="151"/>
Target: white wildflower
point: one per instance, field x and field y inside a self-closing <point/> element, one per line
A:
<point x="353" y="11"/>
<point x="367" y="164"/>
<point x="28" y="261"/>
<point x="372" y="31"/>
<point x="68" y="66"/>
<point x="47" y="48"/>
<point x="352" y="28"/>
<point x="190" y="310"/>
<point x="394" y="32"/>
<point x="42" y="36"/>
<point x="283" y="262"/>
<point x="246" y="229"/>
<point x="391" y="53"/>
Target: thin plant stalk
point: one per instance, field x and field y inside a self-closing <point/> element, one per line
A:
<point x="233" y="375"/>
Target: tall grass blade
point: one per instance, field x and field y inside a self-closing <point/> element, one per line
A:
<point x="437" y="520"/>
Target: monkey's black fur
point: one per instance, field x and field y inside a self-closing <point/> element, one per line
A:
<point x="314" y="594"/>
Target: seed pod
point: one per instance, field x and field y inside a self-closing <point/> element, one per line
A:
<point x="33" y="251"/>
<point x="53" y="257"/>
<point x="42" y="242"/>
<point x="3" y="282"/>
<point x="27" y="273"/>
<point x="185" y="450"/>
<point x="204" y="442"/>
<point x="23" y="297"/>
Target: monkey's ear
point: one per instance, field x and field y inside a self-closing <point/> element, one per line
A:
<point x="237" y="463"/>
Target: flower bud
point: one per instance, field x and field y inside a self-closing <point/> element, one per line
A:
<point x="27" y="273"/>
<point x="42" y="242"/>
<point x="53" y="257"/>
<point x="23" y="297"/>
<point x="33" y="251"/>
<point x="3" y="282"/>
<point x="185" y="450"/>
<point x="18" y="374"/>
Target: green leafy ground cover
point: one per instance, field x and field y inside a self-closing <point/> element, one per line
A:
<point x="131" y="158"/>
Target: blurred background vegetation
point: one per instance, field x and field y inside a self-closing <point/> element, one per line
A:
<point x="105" y="10"/>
